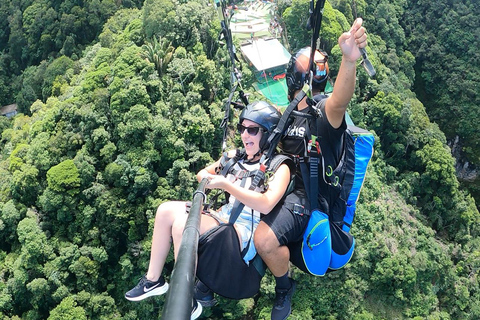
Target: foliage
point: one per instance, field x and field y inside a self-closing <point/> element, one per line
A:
<point x="121" y="104"/>
<point x="441" y="37"/>
<point x="160" y="53"/>
<point x="67" y="310"/>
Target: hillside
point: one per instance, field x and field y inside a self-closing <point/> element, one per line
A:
<point x="123" y="121"/>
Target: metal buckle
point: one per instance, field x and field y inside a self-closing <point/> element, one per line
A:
<point x="240" y="174"/>
<point x="298" y="209"/>
<point x="313" y="143"/>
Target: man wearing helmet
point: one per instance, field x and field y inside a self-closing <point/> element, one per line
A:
<point x="296" y="71"/>
<point x="280" y="230"/>
<point x="257" y="121"/>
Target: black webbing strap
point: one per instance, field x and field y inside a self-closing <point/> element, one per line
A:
<point x="226" y="117"/>
<point x="237" y="206"/>
<point x="305" y="175"/>
<point x="228" y="166"/>
<point x="310" y="173"/>
<point x="314" y="156"/>
<point x="236" y="75"/>
<point x="315" y="22"/>
<point x="258" y="178"/>
<point x="283" y="124"/>
<point x="310" y="162"/>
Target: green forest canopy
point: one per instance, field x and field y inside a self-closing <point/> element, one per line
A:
<point x="121" y="104"/>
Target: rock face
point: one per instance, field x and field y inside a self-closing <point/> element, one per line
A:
<point x="465" y="170"/>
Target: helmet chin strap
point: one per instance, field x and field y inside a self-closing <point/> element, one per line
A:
<point x="258" y="154"/>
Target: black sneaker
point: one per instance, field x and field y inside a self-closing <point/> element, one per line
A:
<point x="146" y="288"/>
<point x="283" y="302"/>
<point x="204" y="295"/>
<point x="196" y="309"/>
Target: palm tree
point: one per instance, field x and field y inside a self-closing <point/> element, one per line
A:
<point x="159" y="52"/>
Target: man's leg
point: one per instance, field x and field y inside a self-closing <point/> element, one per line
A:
<point x="281" y="226"/>
<point x="275" y="256"/>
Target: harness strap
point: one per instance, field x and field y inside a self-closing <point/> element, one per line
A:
<point x="227" y="163"/>
<point x="305" y="175"/>
<point x="315" y="23"/>
<point x="245" y="250"/>
<point x="315" y="155"/>
<point x="283" y="123"/>
<point x="243" y="173"/>
<point x="296" y="208"/>
<point x="258" y="177"/>
<point x="237" y="206"/>
<point x="310" y="162"/>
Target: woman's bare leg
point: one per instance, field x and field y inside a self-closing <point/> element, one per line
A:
<point x="167" y="214"/>
<point x="206" y="223"/>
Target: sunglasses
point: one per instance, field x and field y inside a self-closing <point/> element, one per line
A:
<point x="253" y="131"/>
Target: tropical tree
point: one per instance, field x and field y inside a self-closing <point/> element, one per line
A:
<point x="159" y="52"/>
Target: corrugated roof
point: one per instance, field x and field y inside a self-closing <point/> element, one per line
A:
<point x="266" y="53"/>
<point x="8" y="109"/>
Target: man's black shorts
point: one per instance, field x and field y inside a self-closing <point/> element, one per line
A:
<point x="289" y="218"/>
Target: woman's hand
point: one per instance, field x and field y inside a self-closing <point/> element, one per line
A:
<point x="217" y="182"/>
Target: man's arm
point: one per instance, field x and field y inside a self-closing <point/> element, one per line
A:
<point x="349" y="42"/>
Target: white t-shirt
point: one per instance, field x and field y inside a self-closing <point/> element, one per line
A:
<point x="246" y="222"/>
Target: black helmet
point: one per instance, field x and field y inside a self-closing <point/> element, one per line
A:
<point x="297" y="68"/>
<point x="264" y="114"/>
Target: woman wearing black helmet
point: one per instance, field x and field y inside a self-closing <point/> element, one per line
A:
<point x="257" y="120"/>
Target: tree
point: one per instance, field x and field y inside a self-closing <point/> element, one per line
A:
<point x="159" y="52"/>
<point x="40" y="292"/>
<point x="25" y="185"/>
<point x="59" y="200"/>
<point x="128" y="89"/>
<point x="154" y="14"/>
<point x="182" y="69"/>
<point x="38" y="152"/>
<point x="135" y="127"/>
<point x="447" y="88"/>
<point x="9" y="218"/>
<point x="31" y="88"/>
<point x="58" y="67"/>
<point x="385" y="118"/>
<point x="208" y="77"/>
<point x="35" y="249"/>
<point x="5" y="88"/>
<point x="296" y="18"/>
<point x="68" y="310"/>
<point x="64" y="177"/>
